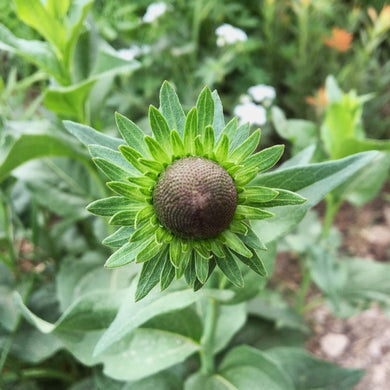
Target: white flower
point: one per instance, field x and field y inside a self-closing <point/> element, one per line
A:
<point x="154" y="11"/>
<point x="262" y="92"/>
<point x="132" y="52"/>
<point x="250" y="112"/>
<point x="227" y="35"/>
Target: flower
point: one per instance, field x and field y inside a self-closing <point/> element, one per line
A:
<point x="262" y="92"/>
<point x="183" y="201"/>
<point x="251" y="112"/>
<point x="154" y="11"/>
<point x="132" y="52"/>
<point x="227" y="35"/>
<point x="340" y="39"/>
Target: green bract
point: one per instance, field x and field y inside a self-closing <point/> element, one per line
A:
<point x="199" y="215"/>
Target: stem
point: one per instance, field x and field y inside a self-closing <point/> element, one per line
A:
<point x="332" y="207"/>
<point x="304" y="288"/>
<point x="36" y="373"/>
<point x="207" y="353"/>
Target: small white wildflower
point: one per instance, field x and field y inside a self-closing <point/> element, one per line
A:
<point x="154" y="11"/>
<point x="227" y="35"/>
<point x="252" y="113"/>
<point x="132" y="52"/>
<point x="262" y="92"/>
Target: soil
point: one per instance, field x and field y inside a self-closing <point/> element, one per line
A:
<point x="362" y="341"/>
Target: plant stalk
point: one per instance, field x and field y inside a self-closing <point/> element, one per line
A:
<point x="207" y="352"/>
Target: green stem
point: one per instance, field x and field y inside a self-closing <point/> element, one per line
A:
<point x="332" y="207"/>
<point x="207" y="352"/>
<point x="304" y="288"/>
<point x="36" y="373"/>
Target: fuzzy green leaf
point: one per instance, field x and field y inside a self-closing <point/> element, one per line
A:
<point x="255" y="263"/>
<point x="217" y="248"/>
<point x="253" y="212"/>
<point x="109" y="206"/>
<point x="229" y="267"/>
<point x="124" y="218"/>
<point x="143" y="232"/>
<point x="222" y="148"/>
<point x="125" y="255"/>
<point x="205" y="109"/>
<point x="190" y="130"/>
<point x="246" y="148"/>
<point x="159" y="127"/>
<point x="189" y="272"/>
<point x="230" y="129"/>
<point x="151" y="165"/>
<point x="127" y="190"/>
<point x="131" y="133"/>
<point x="265" y="159"/>
<point x="175" y="252"/>
<point x="240" y="136"/>
<point x="167" y="273"/>
<point x="144" y="214"/>
<point x="256" y="195"/>
<point x="233" y="242"/>
<point x="112" y="171"/>
<point x="185" y="260"/>
<point x="156" y="150"/>
<point x="171" y="108"/>
<point x="177" y="144"/>
<point x="219" y="120"/>
<point x="284" y="198"/>
<point x="208" y="141"/>
<point x="244" y="176"/>
<point x="133" y="157"/>
<point x="149" y="276"/>
<point x="142" y="181"/>
<point x="111" y="156"/>
<point x="120" y="237"/>
<point x="252" y="240"/>
<point x="149" y="251"/>
<point x="201" y="267"/>
<point x="198" y="146"/>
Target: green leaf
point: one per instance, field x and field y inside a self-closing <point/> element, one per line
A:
<point x="167" y="274"/>
<point x="89" y="136"/>
<point x="146" y="230"/>
<point x="309" y="373"/>
<point x="16" y="149"/>
<point x="222" y="148"/>
<point x="265" y="159"/>
<point x="233" y="241"/>
<point x="133" y="157"/>
<point x="156" y="150"/>
<point x="160" y="128"/>
<point x="177" y="144"/>
<point x="58" y="9"/>
<point x="37" y="52"/>
<point x="284" y="198"/>
<point x="34" y="14"/>
<point x="171" y="108"/>
<point x="120" y="237"/>
<point x="219" y="120"/>
<point x="190" y="130"/>
<point x="208" y="140"/>
<point x="313" y="182"/>
<point x="205" y="110"/>
<point x="240" y="136"/>
<point x="124" y="218"/>
<point x="132" y="134"/>
<point x="69" y="101"/>
<point x="125" y="255"/>
<point x="230" y="129"/>
<point x="175" y="252"/>
<point x="110" y="206"/>
<point x="229" y="267"/>
<point x="111" y="156"/>
<point x="255" y="263"/>
<point x="155" y="349"/>
<point x="132" y="315"/>
<point x="201" y="267"/>
<point x="253" y="212"/>
<point x="246" y="148"/>
<point x="257" y="195"/>
<point x="252" y="240"/>
<point x="151" y="250"/>
<point x="112" y="171"/>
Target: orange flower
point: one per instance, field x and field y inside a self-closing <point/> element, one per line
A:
<point x="339" y="40"/>
<point x="319" y="100"/>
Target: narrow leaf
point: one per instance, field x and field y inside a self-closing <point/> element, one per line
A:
<point x="159" y="127"/>
<point x="256" y="195"/>
<point x="265" y="159"/>
<point x="233" y="241"/>
<point x="125" y="255"/>
<point x="229" y="267"/>
<point x="175" y="252"/>
<point x="253" y="212"/>
<point x="208" y="141"/>
<point x="205" y="108"/>
<point x="109" y="206"/>
<point x="127" y="190"/>
<point x="255" y="263"/>
<point x="201" y="268"/>
<point x="167" y="273"/>
<point x="120" y="237"/>
<point x="149" y="251"/>
<point x="124" y="218"/>
<point x="177" y="144"/>
<point x="284" y="198"/>
<point x="191" y="130"/>
<point x="112" y="171"/>
<point x="219" y="120"/>
<point x="222" y="148"/>
<point x="246" y="148"/>
<point x="156" y="150"/>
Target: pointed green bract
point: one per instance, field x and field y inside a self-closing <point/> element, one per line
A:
<point x="167" y="273"/>
<point x="175" y="252"/>
<point x="208" y="141"/>
<point x="250" y="212"/>
<point x="222" y="149"/>
<point x="171" y="108"/>
<point x="156" y="150"/>
<point x="284" y="198"/>
<point x="201" y="267"/>
<point x="205" y="109"/>
<point x="107" y="206"/>
<point x="191" y="130"/>
<point x="127" y="190"/>
<point x="123" y="218"/>
<point x="219" y="120"/>
<point x="257" y="195"/>
<point x="131" y="133"/>
<point x="229" y="267"/>
<point x="246" y="148"/>
<point x="124" y="255"/>
<point x="111" y="170"/>
<point x="159" y="127"/>
<point x="177" y="144"/>
<point x="265" y="159"/>
<point x="120" y="237"/>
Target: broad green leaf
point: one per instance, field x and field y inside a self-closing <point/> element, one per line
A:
<point x="312" y="182"/>
<point x="37" y="52"/>
<point x="229" y="321"/>
<point x="89" y="136"/>
<point x="310" y="373"/>
<point x="132" y="315"/>
<point x="272" y="306"/>
<point x="154" y="349"/>
<point x="58" y="8"/>
<point x="163" y="380"/>
<point x="160" y="128"/>
<point x="205" y="110"/>
<point x="302" y="158"/>
<point x="229" y="267"/>
<point x="219" y="120"/>
<point x="240" y="136"/>
<point x="171" y="108"/>
<point x="18" y="147"/>
<point x="33" y="13"/>
<point x="69" y="101"/>
<point x="132" y="134"/>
